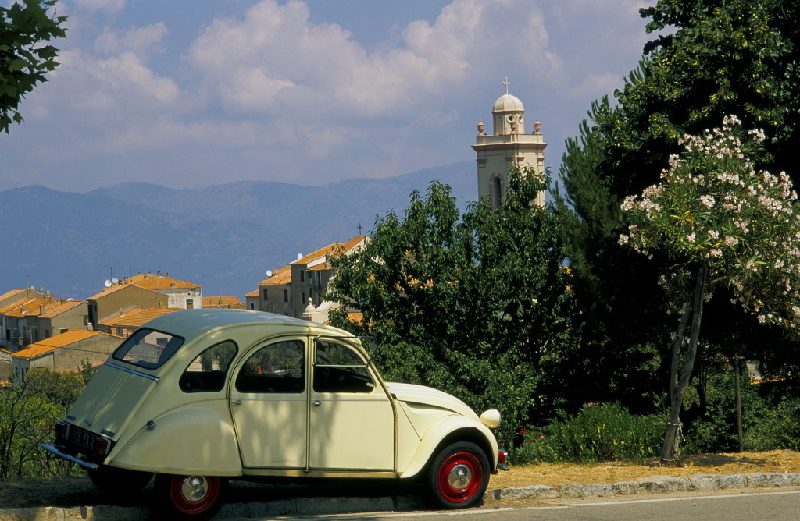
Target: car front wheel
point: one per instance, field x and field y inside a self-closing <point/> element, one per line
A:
<point x="458" y="475"/>
<point x="189" y="497"/>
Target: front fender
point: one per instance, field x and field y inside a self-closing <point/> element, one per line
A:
<point x="190" y="440"/>
<point x="449" y="427"/>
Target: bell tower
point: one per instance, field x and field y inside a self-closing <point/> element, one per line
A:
<point x="507" y="145"/>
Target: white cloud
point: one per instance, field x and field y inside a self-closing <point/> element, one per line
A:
<point x="141" y="41"/>
<point x="271" y="93"/>
<point x="274" y="60"/>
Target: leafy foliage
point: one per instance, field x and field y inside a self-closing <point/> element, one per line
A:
<point x="708" y="58"/>
<point x="27" y="415"/>
<point x="598" y="432"/>
<point x="470" y="304"/>
<point x="767" y="423"/>
<point x="713" y="207"/>
<point x="23" y="60"/>
<point x="719" y="221"/>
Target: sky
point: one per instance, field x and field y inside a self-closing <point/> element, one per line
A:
<point x="194" y="93"/>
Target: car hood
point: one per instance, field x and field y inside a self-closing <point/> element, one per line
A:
<point x="420" y="394"/>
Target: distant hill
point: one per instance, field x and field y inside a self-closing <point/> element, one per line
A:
<point x="224" y="236"/>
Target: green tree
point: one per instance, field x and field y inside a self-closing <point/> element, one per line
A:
<point x="721" y="222"/>
<point x="470" y="304"/>
<point x="24" y="61"/>
<point x="28" y="412"/>
<point x="708" y="58"/>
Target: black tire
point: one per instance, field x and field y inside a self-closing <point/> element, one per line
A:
<point x="119" y="482"/>
<point x="188" y="497"/>
<point x="458" y="475"/>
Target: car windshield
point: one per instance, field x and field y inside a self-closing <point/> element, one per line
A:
<point x="148" y="349"/>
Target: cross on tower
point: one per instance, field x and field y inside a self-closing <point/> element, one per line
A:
<point x="506" y="83"/>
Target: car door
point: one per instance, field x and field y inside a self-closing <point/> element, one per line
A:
<point x="352" y="419"/>
<point x="269" y="405"/>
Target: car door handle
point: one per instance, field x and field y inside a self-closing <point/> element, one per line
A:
<point x="317" y="403"/>
<point x="236" y="401"/>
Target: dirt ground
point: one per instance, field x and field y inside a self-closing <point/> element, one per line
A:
<point x="732" y="463"/>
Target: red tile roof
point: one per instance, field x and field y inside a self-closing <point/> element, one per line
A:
<point x="279" y="278"/>
<point x="222" y="301"/>
<point x="49" y="344"/>
<point x="160" y="282"/>
<point x="135" y="317"/>
<point x="317" y="260"/>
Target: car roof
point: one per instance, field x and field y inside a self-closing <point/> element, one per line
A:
<point x="194" y="322"/>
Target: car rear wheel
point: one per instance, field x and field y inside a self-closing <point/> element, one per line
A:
<point x="117" y="481"/>
<point x="458" y="475"/>
<point x="189" y="497"/>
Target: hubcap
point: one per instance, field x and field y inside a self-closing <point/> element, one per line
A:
<point x="460" y="476"/>
<point x="194" y="488"/>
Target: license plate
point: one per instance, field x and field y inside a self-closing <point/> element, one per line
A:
<point x="81" y="437"/>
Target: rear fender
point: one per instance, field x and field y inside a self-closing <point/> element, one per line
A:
<point x="191" y="440"/>
<point x="451" y="428"/>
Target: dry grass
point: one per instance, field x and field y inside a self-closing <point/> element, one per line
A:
<point x="551" y="474"/>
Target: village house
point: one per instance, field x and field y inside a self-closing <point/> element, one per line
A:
<point x="296" y="290"/>
<point x="182" y="293"/>
<point x="17" y="295"/>
<point x="124" y="323"/>
<point x="63" y="352"/>
<point x="34" y="319"/>
<point x="120" y="297"/>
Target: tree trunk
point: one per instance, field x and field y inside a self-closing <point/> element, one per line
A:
<point x="669" y="451"/>
<point x="738" y="392"/>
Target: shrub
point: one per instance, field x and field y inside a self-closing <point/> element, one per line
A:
<point x="598" y="432"/>
<point x="768" y="422"/>
<point x="775" y="427"/>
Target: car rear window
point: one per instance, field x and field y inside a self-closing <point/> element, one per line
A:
<point x="147" y="348"/>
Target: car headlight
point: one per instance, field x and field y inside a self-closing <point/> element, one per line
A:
<point x="491" y="418"/>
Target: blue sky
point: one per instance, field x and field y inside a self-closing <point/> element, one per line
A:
<point x="192" y="93"/>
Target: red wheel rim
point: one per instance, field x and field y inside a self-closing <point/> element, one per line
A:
<point x="193" y="495"/>
<point x="460" y="477"/>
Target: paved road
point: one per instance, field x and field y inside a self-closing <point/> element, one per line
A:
<point x="741" y="505"/>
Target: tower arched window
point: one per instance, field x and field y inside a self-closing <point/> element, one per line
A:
<point x="497" y="192"/>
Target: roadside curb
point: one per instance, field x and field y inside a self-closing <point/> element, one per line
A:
<point x="343" y="505"/>
<point x="652" y="485"/>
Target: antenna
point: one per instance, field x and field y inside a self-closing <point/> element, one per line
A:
<point x="107" y="283"/>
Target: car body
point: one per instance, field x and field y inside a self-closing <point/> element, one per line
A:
<point x="197" y="397"/>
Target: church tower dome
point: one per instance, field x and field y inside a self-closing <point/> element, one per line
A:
<point x="507" y="146"/>
<point x="508" y="115"/>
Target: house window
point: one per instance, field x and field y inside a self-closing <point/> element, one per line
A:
<point x="252" y="306"/>
<point x="303" y="298"/>
<point x="265" y="295"/>
<point x="302" y="276"/>
<point x="189" y="303"/>
<point x="286" y="295"/>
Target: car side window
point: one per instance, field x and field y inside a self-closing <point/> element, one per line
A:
<point x="339" y="368"/>
<point x="207" y="371"/>
<point x="275" y="368"/>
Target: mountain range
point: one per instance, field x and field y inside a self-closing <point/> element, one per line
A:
<point x="223" y="237"/>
